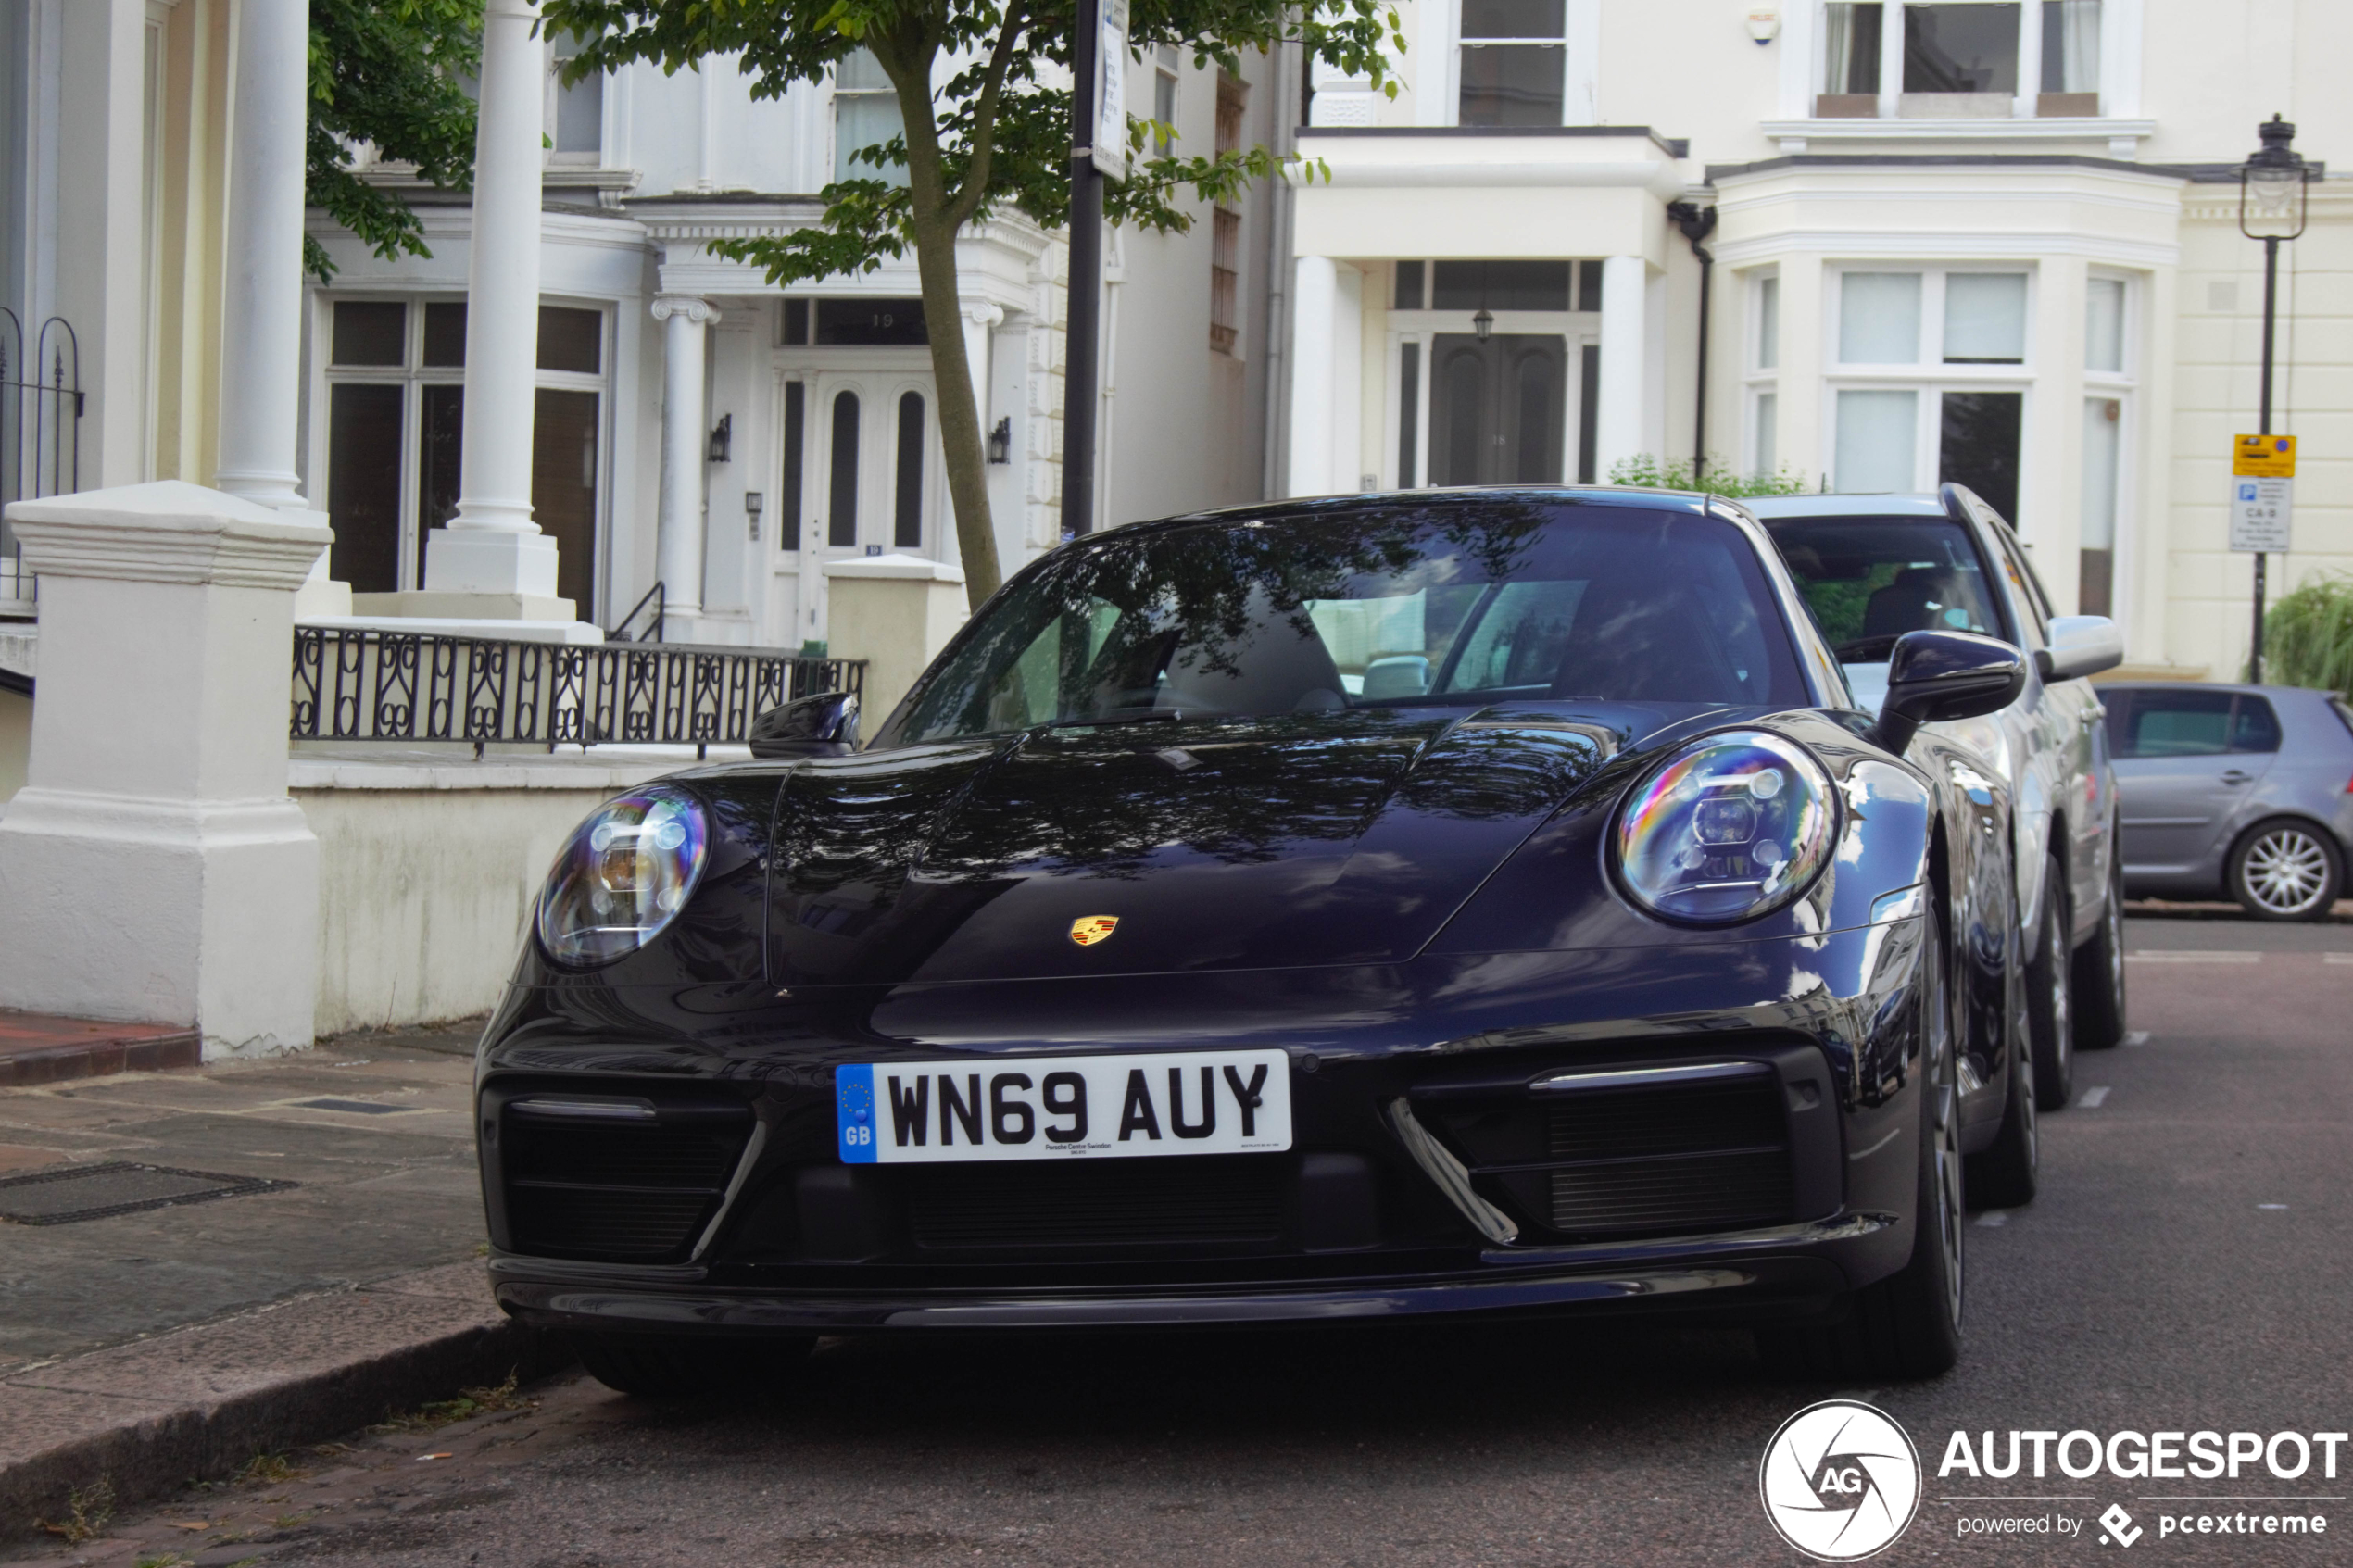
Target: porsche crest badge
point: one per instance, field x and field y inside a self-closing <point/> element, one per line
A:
<point x="1087" y="930"/>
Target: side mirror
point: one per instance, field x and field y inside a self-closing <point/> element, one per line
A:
<point x="823" y="726"/>
<point x="1932" y="676"/>
<point x="2081" y="645"/>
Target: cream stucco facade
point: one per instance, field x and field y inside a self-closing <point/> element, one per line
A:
<point x="2077" y="202"/>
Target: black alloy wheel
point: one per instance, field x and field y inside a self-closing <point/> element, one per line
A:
<point x="1907" y="1325"/>
<point x="2099" y="970"/>
<point x="2050" y="1001"/>
<point x="682" y="1366"/>
<point x="2008" y="1172"/>
<point x="2286" y="869"/>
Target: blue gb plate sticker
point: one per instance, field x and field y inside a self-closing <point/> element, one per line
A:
<point x="854" y="1113"/>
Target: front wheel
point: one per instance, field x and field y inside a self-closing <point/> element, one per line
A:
<point x="2099" y="972"/>
<point x="1907" y="1325"/>
<point x="2286" y="870"/>
<point x="2050" y="999"/>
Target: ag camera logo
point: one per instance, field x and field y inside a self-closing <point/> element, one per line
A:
<point x="1840" y="1481"/>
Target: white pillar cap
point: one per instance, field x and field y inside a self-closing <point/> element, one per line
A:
<point x="167" y="532"/>
<point x="897" y="564"/>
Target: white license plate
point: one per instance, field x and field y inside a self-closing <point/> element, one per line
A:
<point x="1064" y="1107"/>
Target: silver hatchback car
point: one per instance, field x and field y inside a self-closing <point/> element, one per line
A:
<point x="2241" y="791"/>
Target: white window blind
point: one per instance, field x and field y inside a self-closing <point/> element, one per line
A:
<point x="2103" y="325"/>
<point x="1877" y="436"/>
<point x="1985" y="318"/>
<point x="1879" y="318"/>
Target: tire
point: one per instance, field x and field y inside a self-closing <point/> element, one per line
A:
<point x="2009" y="1171"/>
<point x="1907" y="1325"/>
<point x="677" y="1366"/>
<point x="2285" y="870"/>
<point x="2099" y="972"/>
<point x="2050" y="995"/>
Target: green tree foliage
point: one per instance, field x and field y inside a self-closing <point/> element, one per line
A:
<point x="390" y="73"/>
<point x="1655" y="475"/>
<point x="987" y="116"/>
<point x="2307" y="636"/>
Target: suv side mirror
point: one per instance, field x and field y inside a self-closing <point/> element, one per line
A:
<point x="1932" y="676"/>
<point x="823" y="726"/>
<point x="2081" y="645"/>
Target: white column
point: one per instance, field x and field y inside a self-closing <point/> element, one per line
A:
<point x="679" y="553"/>
<point x="1618" y="425"/>
<point x="262" y="304"/>
<point x="153" y="867"/>
<point x="492" y="548"/>
<point x="1314" y="292"/>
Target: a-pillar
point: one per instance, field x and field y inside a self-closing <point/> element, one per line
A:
<point x="492" y="560"/>
<point x="1326" y="384"/>
<point x="153" y="867"/>
<point x="261" y="296"/>
<point x="679" y="555"/>
<point x="1622" y="394"/>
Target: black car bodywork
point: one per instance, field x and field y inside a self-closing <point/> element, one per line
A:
<point x="1414" y="903"/>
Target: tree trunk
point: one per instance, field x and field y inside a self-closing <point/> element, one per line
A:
<point x="960" y="434"/>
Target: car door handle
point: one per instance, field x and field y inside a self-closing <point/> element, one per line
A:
<point x="2233" y="776"/>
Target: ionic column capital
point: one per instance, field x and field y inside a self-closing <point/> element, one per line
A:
<point x="696" y="309"/>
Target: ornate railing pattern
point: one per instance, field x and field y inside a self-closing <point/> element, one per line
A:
<point x="41" y="408"/>
<point x="353" y="684"/>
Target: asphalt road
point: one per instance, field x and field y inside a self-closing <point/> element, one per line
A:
<point x="2189" y="1266"/>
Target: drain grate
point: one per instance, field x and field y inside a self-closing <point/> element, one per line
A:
<point x="95" y="1192"/>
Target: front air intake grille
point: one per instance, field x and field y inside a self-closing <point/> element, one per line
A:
<point x="1674" y="1158"/>
<point x="1097" y="1203"/>
<point x="626" y="1190"/>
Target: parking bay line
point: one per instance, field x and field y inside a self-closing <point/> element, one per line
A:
<point x="2092" y="1098"/>
<point x="2191" y="955"/>
<point x="2137" y="1037"/>
<point x="1992" y="1218"/>
<point x="2337" y="957"/>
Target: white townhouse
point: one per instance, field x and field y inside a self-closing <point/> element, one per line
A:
<point x="699" y="428"/>
<point x="1991" y="240"/>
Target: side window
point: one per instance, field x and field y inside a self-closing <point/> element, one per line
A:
<point x="2179" y="724"/>
<point x="2254" y="727"/>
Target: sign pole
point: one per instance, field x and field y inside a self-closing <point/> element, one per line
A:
<point x="1082" y="396"/>
<point x="2270" y="306"/>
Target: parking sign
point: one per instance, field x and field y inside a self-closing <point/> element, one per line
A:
<point x="2261" y="512"/>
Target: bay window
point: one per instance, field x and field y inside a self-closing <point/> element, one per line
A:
<point x="2108" y="386"/>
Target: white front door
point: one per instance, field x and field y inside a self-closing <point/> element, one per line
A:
<point x="875" y="476"/>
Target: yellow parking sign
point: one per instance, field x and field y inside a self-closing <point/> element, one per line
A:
<point x="2263" y="457"/>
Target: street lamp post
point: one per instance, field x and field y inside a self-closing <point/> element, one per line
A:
<point x="2274" y="193"/>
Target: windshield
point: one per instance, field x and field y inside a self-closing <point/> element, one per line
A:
<point x="1870" y="579"/>
<point x="1382" y="606"/>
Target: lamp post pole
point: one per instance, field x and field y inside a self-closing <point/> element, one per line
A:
<point x="2263" y="426"/>
<point x="2274" y="199"/>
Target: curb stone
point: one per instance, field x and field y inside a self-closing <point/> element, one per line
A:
<point x="199" y="1402"/>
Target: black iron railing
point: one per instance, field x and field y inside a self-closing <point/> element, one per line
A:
<point x="364" y="684"/>
<point x="40" y="429"/>
<point x="642" y="623"/>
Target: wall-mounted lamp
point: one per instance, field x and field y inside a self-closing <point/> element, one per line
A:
<point x="721" y="434"/>
<point x="1001" y="441"/>
<point x="753" y="502"/>
<point x="1483" y="324"/>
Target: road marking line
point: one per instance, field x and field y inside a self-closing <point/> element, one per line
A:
<point x="2092" y="1099"/>
<point x="1994" y="1219"/>
<point x="2337" y="957"/>
<point x="2137" y="1037"/>
<point x="2270" y="1206"/>
<point x="2187" y="954"/>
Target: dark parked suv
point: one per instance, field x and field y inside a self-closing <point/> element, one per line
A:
<point x="2241" y="791"/>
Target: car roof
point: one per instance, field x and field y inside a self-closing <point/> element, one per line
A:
<point x="1458" y="495"/>
<point x="1914" y="504"/>
<point x="2294" y="694"/>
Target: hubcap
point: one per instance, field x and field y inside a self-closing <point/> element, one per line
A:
<point x="2285" y="871"/>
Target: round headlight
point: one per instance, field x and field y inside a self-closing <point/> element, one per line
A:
<point x="623" y="875"/>
<point x="1732" y="826"/>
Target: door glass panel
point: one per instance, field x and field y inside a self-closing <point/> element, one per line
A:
<point x="1533" y="454"/>
<point x="438" y="445"/>
<point x="1409" y="404"/>
<point x="363" y="486"/>
<point x="1980" y="445"/>
<point x="907" y="504"/>
<point x="841" y="479"/>
<point x="788" y="501"/>
<point x="570" y="340"/>
<point x="446" y="334"/>
<point x="1459" y="419"/>
<point x="563" y="488"/>
<point x="1877" y="431"/>
<point x="1588" y="410"/>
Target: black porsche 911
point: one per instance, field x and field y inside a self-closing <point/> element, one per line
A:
<point x="1464" y="902"/>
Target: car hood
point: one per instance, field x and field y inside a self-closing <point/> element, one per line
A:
<point x="1304" y="840"/>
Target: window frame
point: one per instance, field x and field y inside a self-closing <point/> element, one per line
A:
<point x="1580" y="40"/>
<point x="1929" y="377"/>
<point x="2117" y="66"/>
<point x="2120" y="386"/>
<point x="1760" y="377"/>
